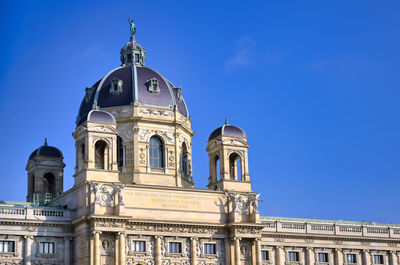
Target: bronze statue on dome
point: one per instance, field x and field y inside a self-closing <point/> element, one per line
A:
<point x="133" y="27"/>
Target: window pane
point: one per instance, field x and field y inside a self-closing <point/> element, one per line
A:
<point x="156" y="152"/>
<point x="264" y="255"/>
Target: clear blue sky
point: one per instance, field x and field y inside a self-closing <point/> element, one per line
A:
<point x="315" y="85"/>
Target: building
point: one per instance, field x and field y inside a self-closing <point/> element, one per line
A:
<point x="133" y="200"/>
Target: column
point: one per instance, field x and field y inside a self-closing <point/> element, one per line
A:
<point x="280" y="255"/>
<point x="310" y="256"/>
<point x="28" y="249"/>
<point x="67" y="251"/>
<point x="393" y="258"/>
<point x="227" y="245"/>
<point x="193" y="252"/>
<point x="258" y="251"/>
<point x="122" y="248"/>
<point x="158" y="250"/>
<point x="97" y="254"/>
<point x="237" y="251"/>
<point x="339" y="256"/>
<point x="253" y="252"/>
<point x="366" y="257"/>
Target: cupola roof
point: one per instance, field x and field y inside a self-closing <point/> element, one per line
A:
<point x="46" y="150"/>
<point x="227" y="130"/>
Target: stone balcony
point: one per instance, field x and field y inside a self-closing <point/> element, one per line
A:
<point x="330" y="227"/>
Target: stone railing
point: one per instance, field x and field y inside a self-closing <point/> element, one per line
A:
<point x="34" y="213"/>
<point x="327" y="227"/>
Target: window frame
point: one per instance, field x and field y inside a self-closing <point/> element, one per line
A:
<point x="205" y="244"/>
<point x="382" y="259"/>
<point x="142" y="243"/>
<point x="156" y="162"/>
<point x="351" y="255"/>
<point x="175" y="243"/>
<point x="13" y="244"/>
<point x="325" y="254"/>
<point x="43" y="244"/>
<point x="267" y="255"/>
<point x="297" y="255"/>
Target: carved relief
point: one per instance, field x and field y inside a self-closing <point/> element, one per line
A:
<point x="245" y="250"/>
<point x="142" y="157"/>
<point x="254" y="199"/>
<point x="101" y="129"/>
<point x="240" y="202"/>
<point x="122" y="113"/>
<point x="156" y="112"/>
<point x="144" y="135"/>
<point x="107" y="244"/>
<point x="104" y="194"/>
<point x="176" y="229"/>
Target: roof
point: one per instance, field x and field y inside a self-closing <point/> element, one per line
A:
<point x="227" y="130"/>
<point x="46" y="150"/>
<point x="134" y="90"/>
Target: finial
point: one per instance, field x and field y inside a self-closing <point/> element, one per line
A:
<point x="133" y="27"/>
<point x="45" y="141"/>
<point x="226" y="120"/>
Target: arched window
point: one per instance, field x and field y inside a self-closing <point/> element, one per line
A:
<point x="185" y="161"/>
<point x="235" y="167"/>
<point x="49" y="183"/>
<point x="156" y="152"/>
<point x="120" y="152"/>
<point x="81" y="156"/>
<point x="217" y="169"/>
<point x="100" y="155"/>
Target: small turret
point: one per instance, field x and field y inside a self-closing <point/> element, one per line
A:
<point x="45" y="174"/>
<point x="227" y="152"/>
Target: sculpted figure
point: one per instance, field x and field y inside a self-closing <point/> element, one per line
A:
<point x="132" y="25"/>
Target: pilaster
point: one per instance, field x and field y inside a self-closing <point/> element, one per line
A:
<point x="158" y="250"/>
<point x="310" y="256"/>
<point x="193" y="252"/>
<point x="122" y="248"/>
<point x="237" y="251"/>
<point x="366" y="257"/>
<point x="28" y="250"/>
<point x="258" y="251"/>
<point x="67" y="251"/>
<point x="338" y="256"/>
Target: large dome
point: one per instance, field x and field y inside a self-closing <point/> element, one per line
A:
<point x="133" y="81"/>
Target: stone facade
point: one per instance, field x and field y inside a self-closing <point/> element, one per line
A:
<point x="133" y="200"/>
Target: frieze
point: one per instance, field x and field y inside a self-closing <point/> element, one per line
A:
<point x="176" y="229"/>
<point x="156" y="112"/>
<point x="240" y="202"/>
<point x="108" y="223"/>
<point x="144" y="135"/>
<point x="122" y="113"/>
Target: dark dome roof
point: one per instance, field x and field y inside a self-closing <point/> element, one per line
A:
<point x="134" y="89"/>
<point x="46" y="150"/>
<point x="227" y="130"/>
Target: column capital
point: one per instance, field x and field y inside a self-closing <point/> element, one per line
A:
<point x="159" y="237"/>
<point x="237" y="238"/>
<point x="257" y="239"/>
<point x="68" y="238"/>
<point x="392" y="251"/>
<point x="96" y="232"/>
<point x="28" y="237"/>
<point x="310" y="248"/>
<point x="366" y="251"/>
<point x="338" y="249"/>
<point x="194" y="238"/>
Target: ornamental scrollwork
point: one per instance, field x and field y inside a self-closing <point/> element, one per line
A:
<point x="144" y="135"/>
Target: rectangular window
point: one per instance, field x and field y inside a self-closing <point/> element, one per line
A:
<point x="137" y="57"/>
<point x="129" y="57"/>
<point x="378" y="259"/>
<point x="7" y="246"/>
<point x="210" y="249"/>
<point x="138" y="246"/>
<point x="294" y="256"/>
<point x="264" y="255"/>
<point x="175" y="247"/>
<point x="323" y="257"/>
<point x="46" y="247"/>
<point x="351" y="258"/>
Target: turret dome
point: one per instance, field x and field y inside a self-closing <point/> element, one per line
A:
<point x="46" y="150"/>
<point x="227" y="130"/>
